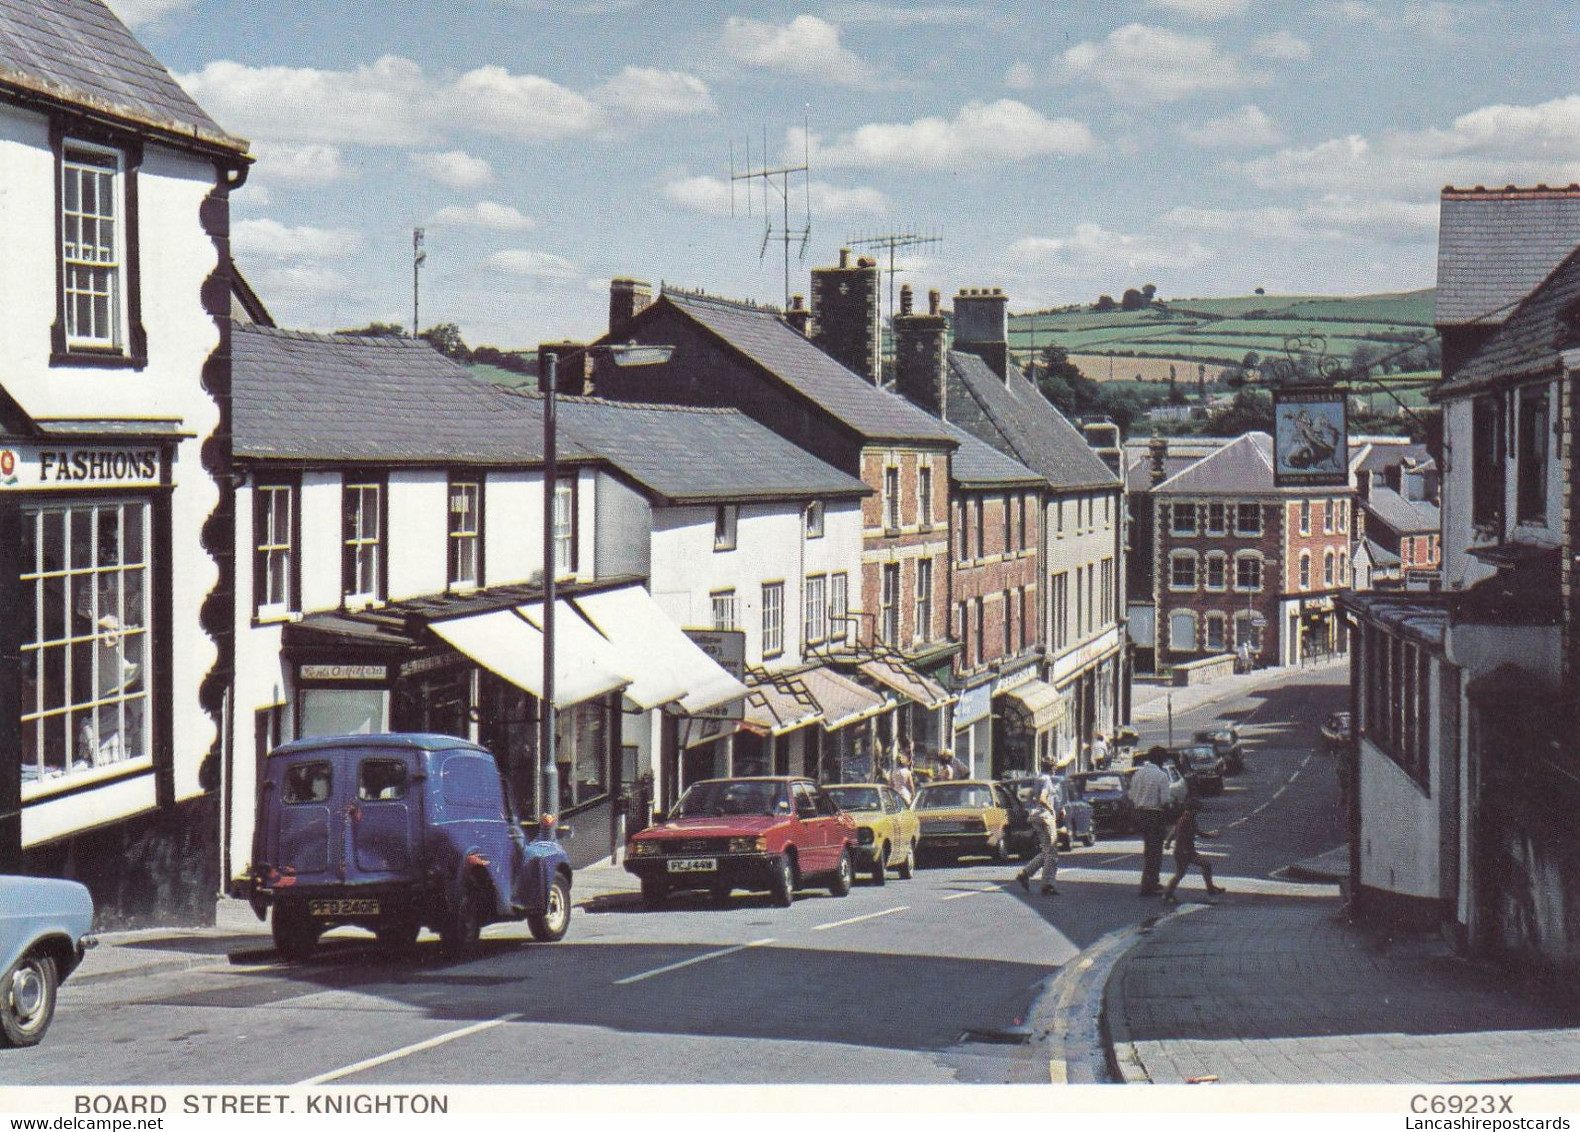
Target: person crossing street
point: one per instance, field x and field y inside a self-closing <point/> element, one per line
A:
<point x="1149" y="789"/>
<point x="1043" y="810"/>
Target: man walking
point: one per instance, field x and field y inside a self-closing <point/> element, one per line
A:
<point x="1043" y="810"/>
<point x="1149" y="789"/>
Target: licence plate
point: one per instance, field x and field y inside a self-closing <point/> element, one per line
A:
<point x="694" y="865"/>
<point x="343" y="907"/>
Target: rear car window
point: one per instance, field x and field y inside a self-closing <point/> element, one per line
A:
<point x="307" y="782"/>
<point x="381" y="780"/>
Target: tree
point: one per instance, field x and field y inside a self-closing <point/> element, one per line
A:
<point x="377" y="330"/>
<point x="446" y="338"/>
<point x="1250" y="411"/>
<point x="1064" y="385"/>
<point x="1106" y="303"/>
<point x="1131" y="300"/>
<point x="1149" y="291"/>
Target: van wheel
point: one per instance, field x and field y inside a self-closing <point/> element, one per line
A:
<point x="880" y="864"/>
<point x="463" y="923"/>
<point x="550" y="925"/>
<point x="27" y="1001"/>
<point x="295" y="932"/>
<point x="397" y="935"/>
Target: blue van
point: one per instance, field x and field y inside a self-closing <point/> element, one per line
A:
<point x="396" y="833"/>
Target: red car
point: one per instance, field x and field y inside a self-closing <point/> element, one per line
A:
<point x="762" y="834"/>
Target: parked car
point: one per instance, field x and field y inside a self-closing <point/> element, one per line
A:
<point x="1338" y="732"/>
<point x="763" y="834"/>
<point x="962" y="819"/>
<point x="1075" y="817"/>
<point x="887" y="830"/>
<point x="395" y="833"/>
<point x="1108" y="793"/>
<point x="44" y="933"/>
<point x="1203" y="769"/>
<point x="1226" y="741"/>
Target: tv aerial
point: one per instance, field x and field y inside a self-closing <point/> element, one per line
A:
<point x="777" y="178"/>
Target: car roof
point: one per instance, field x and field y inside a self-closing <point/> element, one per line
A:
<point x="412" y="740"/>
<point x="757" y="778"/>
<point x="962" y="782"/>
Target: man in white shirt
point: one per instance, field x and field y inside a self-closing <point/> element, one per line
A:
<point x="1149" y="791"/>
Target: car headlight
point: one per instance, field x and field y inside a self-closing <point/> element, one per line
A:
<point x="748" y="844"/>
<point x="642" y="849"/>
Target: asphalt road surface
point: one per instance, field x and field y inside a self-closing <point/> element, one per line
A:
<point x="916" y="982"/>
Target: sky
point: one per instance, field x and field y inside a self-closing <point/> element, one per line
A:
<point x="1057" y="150"/>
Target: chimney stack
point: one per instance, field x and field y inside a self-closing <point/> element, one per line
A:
<point x="845" y="314"/>
<point x="627" y="299"/>
<point x="921" y="357"/>
<point x="799" y="317"/>
<point x="1104" y="439"/>
<point x="982" y="326"/>
<point x="1159" y="451"/>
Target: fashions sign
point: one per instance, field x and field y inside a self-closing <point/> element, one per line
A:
<point x="36" y="466"/>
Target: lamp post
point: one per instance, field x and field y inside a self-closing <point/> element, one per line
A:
<point x="548" y="738"/>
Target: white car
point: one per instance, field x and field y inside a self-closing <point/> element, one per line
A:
<point x="44" y="932"/>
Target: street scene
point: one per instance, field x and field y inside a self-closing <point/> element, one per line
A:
<point x="619" y="543"/>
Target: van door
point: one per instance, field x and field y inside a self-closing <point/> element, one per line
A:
<point x="385" y="822"/>
<point x="302" y="829"/>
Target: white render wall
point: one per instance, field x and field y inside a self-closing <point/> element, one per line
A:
<point x="176" y="258"/>
<point x="1081" y="546"/>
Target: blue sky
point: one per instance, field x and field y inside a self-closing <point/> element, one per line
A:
<point x="1060" y="150"/>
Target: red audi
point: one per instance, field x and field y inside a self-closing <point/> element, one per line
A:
<point x="769" y="835"/>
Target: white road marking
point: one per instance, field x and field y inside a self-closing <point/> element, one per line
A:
<point x="858" y="919"/>
<point x="1114" y="860"/>
<point x="407" y="1051"/>
<point x="689" y="962"/>
<point x="975" y="892"/>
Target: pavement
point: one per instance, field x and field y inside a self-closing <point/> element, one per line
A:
<point x="1151" y="698"/>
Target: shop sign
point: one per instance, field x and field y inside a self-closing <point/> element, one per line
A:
<point x="431" y="663"/>
<point x="1087" y="654"/>
<point x="975" y="703"/>
<point x="727" y="649"/>
<point x="342" y="672"/>
<point x="1014" y="680"/>
<point x="699" y="730"/>
<point x="1310" y="445"/>
<point x="30" y="466"/>
<point x="1316" y="605"/>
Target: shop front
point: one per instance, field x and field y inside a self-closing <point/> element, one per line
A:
<point x="1026" y="720"/>
<point x="973" y="728"/>
<point x="920" y="720"/>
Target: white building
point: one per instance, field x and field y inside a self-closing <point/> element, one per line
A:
<point x="114" y="477"/>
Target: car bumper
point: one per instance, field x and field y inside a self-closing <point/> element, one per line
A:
<point x="392" y="900"/>
<point x="738" y="870"/>
<point x="978" y="843"/>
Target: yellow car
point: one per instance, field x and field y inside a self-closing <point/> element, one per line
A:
<point x="963" y="819"/>
<point x="886" y="830"/>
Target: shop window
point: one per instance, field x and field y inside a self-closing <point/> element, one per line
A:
<point x="839" y="608"/>
<point x="1531" y="457"/>
<point x="466" y="501"/>
<point x="1398" y="702"/>
<point x="1248" y="519"/>
<point x="1182" y="519"/>
<point x="341" y="711"/>
<point x="816" y="610"/>
<point x="1182" y="631"/>
<point x="275" y="581"/>
<point x="725" y="516"/>
<point x="86" y="646"/>
<point x="814" y="519"/>
<point x="1182" y="571"/>
<point x="924" y="599"/>
<point x="583" y="750"/>
<point x="1217" y="569"/>
<point x="773" y="618"/>
<point x="726" y="610"/>
<point x="362" y="551"/>
<point x="1487" y="456"/>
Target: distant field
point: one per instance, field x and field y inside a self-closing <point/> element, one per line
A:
<point x="1098" y="368"/>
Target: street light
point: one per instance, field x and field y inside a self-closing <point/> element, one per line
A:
<point x="548" y="740"/>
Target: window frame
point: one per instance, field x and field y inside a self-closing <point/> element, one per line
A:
<point x="1305" y="516"/>
<point x="350" y="553"/>
<point x="289" y="550"/>
<point x="568" y="488"/>
<point x="892" y="511"/>
<point x="1303" y="570"/>
<point x="1489" y="476"/>
<point x="726" y="527"/>
<point x="1261" y="572"/>
<point x="814" y="629"/>
<point x="1175" y="558"/>
<point x="1221" y="560"/>
<point x="924" y="494"/>
<point x="732" y="603"/>
<point x="1533" y="444"/>
<point x="1215" y="619"/>
<point x="924" y="599"/>
<point x="1219" y="509"/>
<point x="889" y="583"/>
<point x="1188" y="615"/>
<point x="815" y="519"/>
<point x="1241" y="510"/>
<point x="773" y="619"/>
<point x="459" y="538"/>
<point x="839" y="607"/>
<point x="1176" y="510"/>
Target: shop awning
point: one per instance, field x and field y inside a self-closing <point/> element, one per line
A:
<point x="666" y="665"/>
<point x="841" y="699"/>
<point x="511" y="647"/>
<point x="1040" y="702"/>
<point x="899" y="677"/>
<point x="774" y="708"/>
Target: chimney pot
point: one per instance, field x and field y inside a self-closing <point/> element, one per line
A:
<point x="935" y="302"/>
<point x="1159" y="450"/>
<point x="844" y="257"/>
<point x="798" y="302"/>
<point x="905" y="298"/>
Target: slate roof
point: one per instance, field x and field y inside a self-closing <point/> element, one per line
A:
<point x="1404" y="516"/>
<point x="1380" y="555"/>
<point x="1016" y="419"/>
<point x="1380" y="457"/>
<point x="329" y="397"/>
<point x="687" y="454"/>
<point x="1242" y="467"/>
<point x="78" y="52"/>
<point x="764" y="337"/>
<point x="1138" y="472"/>
<point x="1528" y="344"/>
<point x="1495" y="245"/>
<point x="978" y="464"/>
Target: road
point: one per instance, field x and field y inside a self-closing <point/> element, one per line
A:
<point x="916" y="982"/>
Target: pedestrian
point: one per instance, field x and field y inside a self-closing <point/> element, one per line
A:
<point x="900" y="777"/>
<point x="1043" y="810"/>
<point x="948" y="769"/>
<point x="1183" y="837"/>
<point x="1099" y="752"/>
<point x="1149" y="789"/>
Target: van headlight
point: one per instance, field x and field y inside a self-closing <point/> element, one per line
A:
<point x="748" y="845"/>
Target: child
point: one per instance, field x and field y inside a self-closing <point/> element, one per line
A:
<point x="1183" y="837"/>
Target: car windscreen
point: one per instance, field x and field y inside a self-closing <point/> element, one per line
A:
<point x="1102" y="782"/>
<point x="1201" y="756"/>
<point x="724" y="799"/>
<point x="856" y="799"/>
<point x="953" y="796"/>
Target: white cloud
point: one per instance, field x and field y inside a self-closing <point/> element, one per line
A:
<point x="135" y="13"/>
<point x="456" y="168"/>
<point x="806" y="47"/>
<point x="485" y="214"/>
<point x="648" y="93"/>
<point x="1020" y="76"/>
<point x="1203" y="9"/>
<point x="526" y="108"/>
<point x="1247" y="126"/>
<point x="1437" y="19"/>
<point x="310" y="164"/>
<point x="1000" y="131"/>
<point x="711" y="195"/>
<point x="1329" y="218"/>
<point x="537" y="265"/>
<point x="266" y="237"/>
<point x="1092" y="252"/>
<point x="1285" y="46"/>
<point x="867" y="12"/>
<point x="1141" y="64"/>
<point x="293" y="283"/>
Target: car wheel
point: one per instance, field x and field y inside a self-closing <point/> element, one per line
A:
<point x="907" y="867"/>
<point x="1064" y="843"/>
<point x="27" y="1000"/>
<point x="550" y="925"/>
<point x="295" y="932"/>
<point x="1090" y="839"/>
<point x="781" y="884"/>
<point x="880" y="865"/>
<point x="844" y="875"/>
<point x="464" y="922"/>
<point x="397" y="935"/>
<point x="654" y="893"/>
